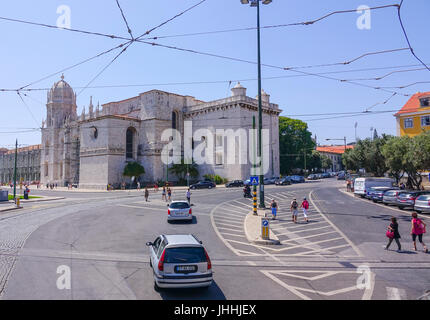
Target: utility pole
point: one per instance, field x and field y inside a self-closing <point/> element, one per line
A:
<point x="14" y="171"/>
<point x="254" y="187"/>
<point x="305" y="162"/>
<point x="260" y="114"/>
<point x="256" y="3"/>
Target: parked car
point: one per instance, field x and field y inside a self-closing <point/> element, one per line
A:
<point x="312" y="176"/>
<point x="407" y="199"/>
<point x="203" y="185"/>
<point x="297" y="179"/>
<point x="235" y="183"/>
<point x="341" y="176"/>
<point x="390" y="196"/>
<point x="422" y="203"/>
<point x="378" y="193"/>
<point x="179" y="210"/>
<point x="284" y="181"/>
<point x="325" y="175"/>
<point x="179" y="261"/>
<point x="362" y="185"/>
<point x="269" y="180"/>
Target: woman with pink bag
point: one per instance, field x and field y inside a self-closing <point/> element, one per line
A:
<point x="417" y="230"/>
<point x="393" y="234"/>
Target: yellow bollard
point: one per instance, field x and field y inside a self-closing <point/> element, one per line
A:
<point x="17" y="202"/>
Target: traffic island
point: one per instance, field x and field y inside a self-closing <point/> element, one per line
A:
<point x="253" y="229"/>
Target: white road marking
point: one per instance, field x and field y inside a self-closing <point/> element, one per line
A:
<point x="322" y="274"/>
<point x="395" y="294"/>
<point x="336" y="228"/>
<point x="310" y="236"/>
<point x="230" y="229"/>
<point x="303" y="230"/>
<point x="229" y="224"/>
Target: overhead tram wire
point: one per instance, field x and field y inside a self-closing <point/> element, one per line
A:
<point x="104" y="68"/>
<point x="134" y="40"/>
<point x="130" y="41"/>
<point x="406" y="35"/>
<point x="304" y="23"/>
<point x="169" y="20"/>
<point x="242" y="80"/>
<point x="125" y="19"/>
<point x="408" y="85"/>
<point x="73" y="66"/>
<point x="266" y="65"/>
<point x="27" y="107"/>
<point x="386" y="75"/>
<point x="66" y="29"/>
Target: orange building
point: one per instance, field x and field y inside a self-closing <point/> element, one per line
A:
<point x="414" y="117"/>
<point x="334" y="153"/>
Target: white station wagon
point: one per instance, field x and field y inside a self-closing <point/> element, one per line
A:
<point x="179" y="210"/>
<point x="179" y="261"/>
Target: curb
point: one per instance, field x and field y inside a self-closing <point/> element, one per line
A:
<point x="10" y="209"/>
<point x="258" y="240"/>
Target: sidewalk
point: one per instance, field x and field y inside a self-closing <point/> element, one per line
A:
<point x="63" y="189"/>
<point x="253" y="229"/>
<point x="10" y="205"/>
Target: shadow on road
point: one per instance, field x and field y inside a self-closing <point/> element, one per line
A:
<point x="212" y="293"/>
<point x="193" y="221"/>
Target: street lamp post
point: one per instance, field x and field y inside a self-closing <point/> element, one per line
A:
<point x="256" y="3"/>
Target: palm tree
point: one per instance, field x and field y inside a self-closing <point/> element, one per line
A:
<point x="181" y="169"/>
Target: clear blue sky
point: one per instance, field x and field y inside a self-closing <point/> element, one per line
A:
<point x="30" y="52"/>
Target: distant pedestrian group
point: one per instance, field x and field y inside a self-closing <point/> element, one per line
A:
<point x="418" y="229"/>
<point x="294" y="207"/>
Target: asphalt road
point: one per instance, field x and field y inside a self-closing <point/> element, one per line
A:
<point x="101" y="237"/>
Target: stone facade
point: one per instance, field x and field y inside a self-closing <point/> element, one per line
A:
<point x="27" y="164"/>
<point x="92" y="149"/>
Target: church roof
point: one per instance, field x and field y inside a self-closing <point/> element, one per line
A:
<point x="61" y="90"/>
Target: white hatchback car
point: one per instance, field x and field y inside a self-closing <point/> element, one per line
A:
<point x="179" y="210"/>
<point x="179" y="261"/>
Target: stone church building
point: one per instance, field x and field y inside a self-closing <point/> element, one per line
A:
<point x="92" y="149"/>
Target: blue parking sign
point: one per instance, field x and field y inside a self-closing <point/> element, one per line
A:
<point x="254" y="180"/>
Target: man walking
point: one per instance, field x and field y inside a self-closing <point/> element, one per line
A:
<point x="294" y="206"/>
<point x="305" y="206"/>
<point x="146" y="194"/>
<point x="274" y="206"/>
<point x="188" y="196"/>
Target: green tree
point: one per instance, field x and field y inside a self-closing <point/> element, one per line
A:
<point x="180" y="170"/>
<point x="408" y="155"/>
<point x="394" y="152"/>
<point x="294" y="140"/>
<point x="314" y="160"/>
<point x="350" y="160"/>
<point x="133" y="169"/>
<point x="368" y="155"/>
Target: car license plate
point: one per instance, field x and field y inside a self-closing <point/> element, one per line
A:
<point x="185" y="269"/>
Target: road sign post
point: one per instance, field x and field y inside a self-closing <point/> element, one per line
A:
<point x="254" y="183"/>
<point x="265" y="228"/>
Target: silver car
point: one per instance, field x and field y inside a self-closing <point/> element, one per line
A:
<point x="390" y="197"/>
<point x="179" y="210"/>
<point x="179" y="261"/>
<point x="422" y="204"/>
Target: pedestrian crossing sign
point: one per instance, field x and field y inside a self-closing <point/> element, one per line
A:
<point x="254" y="180"/>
